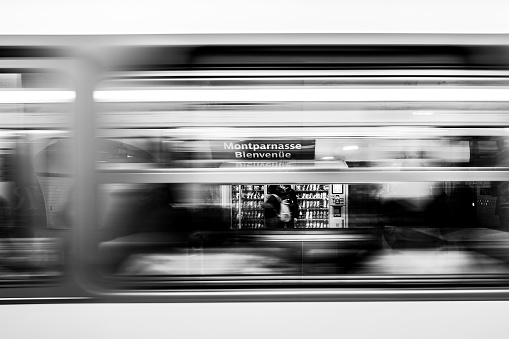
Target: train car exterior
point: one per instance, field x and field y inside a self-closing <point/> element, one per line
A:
<point x="137" y="177"/>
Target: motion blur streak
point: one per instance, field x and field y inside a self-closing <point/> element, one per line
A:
<point x="309" y="95"/>
<point x="39" y="96"/>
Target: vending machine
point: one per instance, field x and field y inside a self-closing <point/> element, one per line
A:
<point x="314" y="206"/>
<point x="320" y="205"/>
<point x="339" y="206"/>
<point x="246" y="206"/>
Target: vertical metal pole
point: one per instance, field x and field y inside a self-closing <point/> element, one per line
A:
<point x="83" y="159"/>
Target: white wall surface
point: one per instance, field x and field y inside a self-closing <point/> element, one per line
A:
<point x="260" y="16"/>
<point x="364" y="320"/>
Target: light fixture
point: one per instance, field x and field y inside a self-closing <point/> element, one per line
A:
<point x="327" y="158"/>
<point x="304" y="94"/>
<point x="35" y="96"/>
<point x="350" y="148"/>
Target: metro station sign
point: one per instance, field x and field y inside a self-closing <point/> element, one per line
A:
<point x="261" y="150"/>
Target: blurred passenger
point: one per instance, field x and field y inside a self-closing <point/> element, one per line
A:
<point x="411" y="216"/>
<point x="159" y="211"/>
<point x="289" y="197"/>
<point x="438" y="212"/>
<point x="463" y="206"/>
<point x="163" y="216"/>
<point x="272" y="207"/>
<point x="4" y="218"/>
<point x="502" y="205"/>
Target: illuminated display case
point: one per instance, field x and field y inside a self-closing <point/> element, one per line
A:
<point x="247" y="210"/>
<point x="313" y="206"/>
<point x="320" y="206"/>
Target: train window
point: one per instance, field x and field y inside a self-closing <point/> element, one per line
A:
<point x="226" y="177"/>
<point x="35" y="184"/>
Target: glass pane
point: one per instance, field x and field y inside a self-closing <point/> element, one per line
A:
<point x="191" y="230"/>
<point x="35" y="175"/>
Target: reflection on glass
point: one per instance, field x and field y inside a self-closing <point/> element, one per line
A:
<point x="35" y="178"/>
<point x="189" y="147"/>
<point x="396" y="228"/>
<point x="337" y="229"/>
